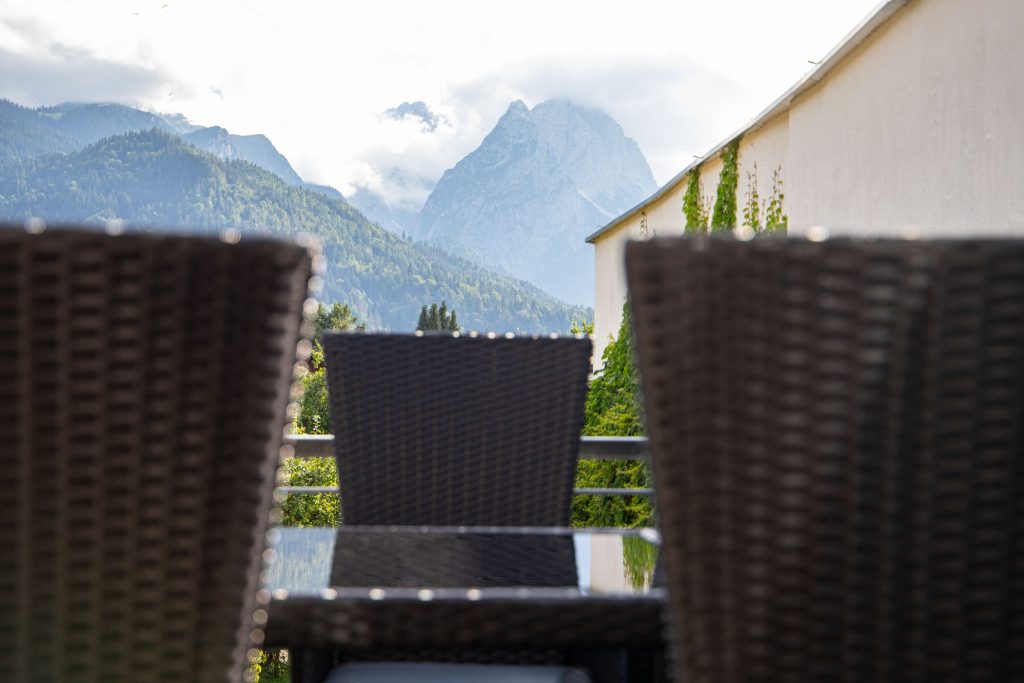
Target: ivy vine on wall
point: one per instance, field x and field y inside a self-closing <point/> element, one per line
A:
<point x="765" y="216"/>
<point x="725" y="196"/>
<point x="695" y="205"/>
<point x="751" y="204"/>
<point x="775" y="219"/>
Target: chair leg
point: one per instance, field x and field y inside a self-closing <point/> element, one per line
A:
<point x="311" y="665"/>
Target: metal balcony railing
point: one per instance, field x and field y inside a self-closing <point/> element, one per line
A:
<point x="591" y="448"/>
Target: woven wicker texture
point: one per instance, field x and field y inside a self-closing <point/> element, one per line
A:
<point x="526" y="619"/>
<point x="451" y="559"/>
<point x="837" y="435"/>
<point x="449" y="430"/>
<point x="143" y="383"/>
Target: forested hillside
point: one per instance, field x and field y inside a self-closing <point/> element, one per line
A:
<point x="154" y="179"/>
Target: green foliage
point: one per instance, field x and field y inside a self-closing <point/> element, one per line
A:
<point x="314" y="417"/>
<point x="613" y="409"/>
<point x="316" y="509"/>
<point x="725" y="196"/>
<point x="775" y="219"/>
<point x="582" y="327"/>
<point x="695" y="204"/>
<point x="640" y="558"/>
<point x="437" y="319"/>
<point x="314" y="407"/>
<point x="335" y="318"/>
<point x="751" y="205"/>
<point x="153" y="179"/>
<point x="273" y="667"/>
<point x="613" y="403"/>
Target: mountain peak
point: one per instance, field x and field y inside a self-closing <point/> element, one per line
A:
<point x="537" y="185"/>
<point x="517" y="107"/>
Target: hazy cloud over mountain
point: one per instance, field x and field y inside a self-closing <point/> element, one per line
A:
<point x="418" y="111"/>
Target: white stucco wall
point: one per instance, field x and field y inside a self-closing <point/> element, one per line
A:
<point x="922" y="126"/>
<point x="919" y="129"/>
<point x="610" y="284"/>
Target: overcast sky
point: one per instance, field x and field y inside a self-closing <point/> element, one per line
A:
<point x="315" y="77"/>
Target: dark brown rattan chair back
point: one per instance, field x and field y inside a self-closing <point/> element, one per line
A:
<point x="456" y="430"/>
<point x="837" y="437"/>
<point x="143" y="383"/>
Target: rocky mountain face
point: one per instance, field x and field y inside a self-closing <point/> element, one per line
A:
<point x="256" y="149"/>
<point x="538" y="184"/>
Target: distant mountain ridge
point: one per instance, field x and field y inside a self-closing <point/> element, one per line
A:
<point x="71" y="126"/>
<point x="155" y="179"/>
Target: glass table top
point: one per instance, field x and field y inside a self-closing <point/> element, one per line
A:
<point x="310" y="561"/>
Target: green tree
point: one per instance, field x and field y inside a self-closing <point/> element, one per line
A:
<point x="314" y="417"/>
<point x="613" y="409"/>
<point x="337" y="317"/>
<point x="438" y="319"/>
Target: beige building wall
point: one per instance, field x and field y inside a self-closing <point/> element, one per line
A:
<point x="664" y="217"/>
<point x="607" y="567"/>
<point x="919" y="129"/>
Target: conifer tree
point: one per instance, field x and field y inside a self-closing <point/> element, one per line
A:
<point x="442" y="316"/>
<point x="438" y="319"/>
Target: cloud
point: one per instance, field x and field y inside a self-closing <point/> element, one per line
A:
<point x="417" y="111"/>
<point x="53" y="72"/>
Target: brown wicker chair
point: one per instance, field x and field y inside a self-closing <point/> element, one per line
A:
<point x="143" y="383"/>
<point x="448" y="430"/>
<point x="837" y="431"/>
